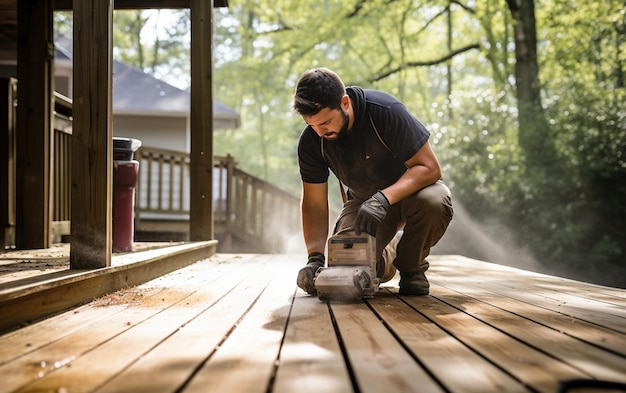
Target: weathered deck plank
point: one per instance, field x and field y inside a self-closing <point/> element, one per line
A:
<point x="378" y="360"/>
<point x="524" y="363"/>
<point x="237" y="323"/>
<point x="105" y="344"/>
<point x="593" y="362"/>
<point x="311" y="359"/>
<point x="188" y="347"/>
<point x="452" y="362"/>
<point x="584" y="323"/>
<point x="55" y="328"/>
<point x="253" y="345"/>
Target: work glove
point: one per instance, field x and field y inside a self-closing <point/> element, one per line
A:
<point x="306" y="275"/>
<point x="371" y="213"/>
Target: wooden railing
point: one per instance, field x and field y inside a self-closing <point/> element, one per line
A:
<point x="247" y="210"/>
<point x="61" y="184"/>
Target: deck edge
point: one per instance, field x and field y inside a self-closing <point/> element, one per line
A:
<point x="31" y="302"/>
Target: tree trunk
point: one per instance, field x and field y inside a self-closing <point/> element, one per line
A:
<point x="534" y="137"/>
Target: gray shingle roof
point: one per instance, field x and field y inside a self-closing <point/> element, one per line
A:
<point x="135" y="91"/>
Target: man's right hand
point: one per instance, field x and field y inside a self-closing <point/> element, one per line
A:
<point x="371" y="213"/>
<point x="307" y="273"/>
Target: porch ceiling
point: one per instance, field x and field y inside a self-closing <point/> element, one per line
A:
<point x="8" y="14"/>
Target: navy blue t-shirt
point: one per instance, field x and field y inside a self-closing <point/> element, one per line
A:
<point x="360" y="160"/>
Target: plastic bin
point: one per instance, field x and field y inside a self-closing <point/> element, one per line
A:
<point x="125" y="175"/>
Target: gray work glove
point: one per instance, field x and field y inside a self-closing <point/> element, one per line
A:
<point x="307" y="273"/>
<point x="371" y="213"/>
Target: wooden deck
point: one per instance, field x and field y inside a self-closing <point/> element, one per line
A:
<point x="237" y="323"/>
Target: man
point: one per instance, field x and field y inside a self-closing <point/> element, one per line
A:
<point x="380" y="152"/>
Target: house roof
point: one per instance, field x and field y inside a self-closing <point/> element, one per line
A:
<point x="136" y="92"/>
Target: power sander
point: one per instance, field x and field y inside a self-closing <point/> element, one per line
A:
<point x="351" y="269"/>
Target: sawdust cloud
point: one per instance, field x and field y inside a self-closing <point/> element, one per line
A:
<point x="467" y="237"/>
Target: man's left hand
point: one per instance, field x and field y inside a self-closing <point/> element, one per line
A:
<point x="371" y="213"/>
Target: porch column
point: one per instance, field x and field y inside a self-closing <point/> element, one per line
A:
<point x="35" y="86"/>
<point x="201" y="181"/>
<point x="92" y="138"/>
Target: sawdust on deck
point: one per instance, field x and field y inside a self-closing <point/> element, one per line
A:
<point x="20" y="264"/>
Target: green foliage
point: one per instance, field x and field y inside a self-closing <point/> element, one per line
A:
<point x="63" y="23"/>
<point x="155" y="41"/>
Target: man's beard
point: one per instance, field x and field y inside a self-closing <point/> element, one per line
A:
<point x="343" y="131"/>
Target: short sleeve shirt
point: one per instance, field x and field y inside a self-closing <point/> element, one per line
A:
<point x="372" y="155"/>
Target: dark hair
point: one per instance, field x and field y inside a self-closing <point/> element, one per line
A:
<point x="317" y="89"/>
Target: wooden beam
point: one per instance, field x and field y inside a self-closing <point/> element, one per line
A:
<point x="92" y="144"/>
<point x="34" y="124"/>
<point x="8" y="90"/>
<point x="142" y="4"/>
<point x="201" y="178"/>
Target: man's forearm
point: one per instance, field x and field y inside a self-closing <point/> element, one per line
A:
<point x="424" y="170"/>
<point x="315" y="228"/>
<point x="413" y="180"/>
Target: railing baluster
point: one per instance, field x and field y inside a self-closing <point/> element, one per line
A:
<point x="171" y="174"/>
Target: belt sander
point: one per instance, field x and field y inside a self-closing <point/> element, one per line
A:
<point x="351" y="269"/>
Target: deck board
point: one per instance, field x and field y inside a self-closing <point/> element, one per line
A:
<point x="452" y="362"/>
<point x="97" y="341"/>
<point x="522" y="362"/>
<point x="378" y="360"/>
<point x="311" y="359"/>
<point x="188" y="347"/>
<point x="253" y="345"/>
<point x="237" y="323"/>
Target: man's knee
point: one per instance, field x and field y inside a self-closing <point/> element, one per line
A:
<point x="432" y="202"/>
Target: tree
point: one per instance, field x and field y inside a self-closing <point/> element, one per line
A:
<point x="154" y="41"/>
<point x="535" y="137"/>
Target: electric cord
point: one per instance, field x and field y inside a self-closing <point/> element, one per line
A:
<point x="566" y="386"/>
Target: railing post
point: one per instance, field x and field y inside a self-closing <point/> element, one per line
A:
<point x="230" y="184"/>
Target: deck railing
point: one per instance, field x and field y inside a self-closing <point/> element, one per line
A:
<point x="62" y="124"/>
<point x="246" y="208"/>
<point x="61" y="163"/>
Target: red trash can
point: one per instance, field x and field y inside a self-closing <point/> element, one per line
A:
<point x="125" y="175"/>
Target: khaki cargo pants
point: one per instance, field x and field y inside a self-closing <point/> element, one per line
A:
<point x="423" y="217"/>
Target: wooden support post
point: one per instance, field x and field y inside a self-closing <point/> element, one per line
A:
<point x="92" y="144"/>
<point x="35" y="55"/>
<point x="201" y="177"/>
<point x="8" y="89"/>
